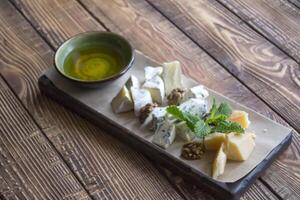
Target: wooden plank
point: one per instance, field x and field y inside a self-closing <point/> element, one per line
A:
<point x="260" y="65"/>
<point x="277" y="20"/>
<point x="158" y="38"/>
<point x="295" y="2"/>
<point x="30" y="167"/>
<point x="107" y="168"/>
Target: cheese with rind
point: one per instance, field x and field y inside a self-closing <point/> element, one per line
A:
<point x="140" y="97"/>
<point x="156" y="87"/>
<point x="151" y="72"/>
<point x="123" y="102"/>
<point x="197" y="92"/>
<point x="172" y="76"/>
<point x="239" y="146"/>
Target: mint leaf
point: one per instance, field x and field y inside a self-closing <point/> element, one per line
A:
<point x="202" y="129"/>
<point x="218" y="114"/>
<point x="224" y="109"/>
<point x="194" y="123"/>
<point x="228" y="127"/>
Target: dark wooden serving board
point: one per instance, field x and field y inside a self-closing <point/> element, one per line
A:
<point x="225" y="190"/>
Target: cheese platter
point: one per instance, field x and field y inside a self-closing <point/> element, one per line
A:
<point x="207" y="138"/>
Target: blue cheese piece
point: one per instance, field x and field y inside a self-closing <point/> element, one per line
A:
<point x="156" y="87"/>
<point x="158" y="116"/>
<point x="164" y="135"/>
<point x="151" y="72"/>
<point x="183" y="132"/>
<point x="140" y="98"/>
<point x="197" y="92"/>
<point x="194" y="106"/>
<point x="172" y="76"/>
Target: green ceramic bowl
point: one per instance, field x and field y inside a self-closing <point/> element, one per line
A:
<point x="92" y="40"/>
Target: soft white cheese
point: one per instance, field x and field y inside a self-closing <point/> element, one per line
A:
<point x="164" y="135"/>
<point x="197" y="92"/>
<point x="151" y="72"/>
<point x="155" y="85"/>
<point x="172" y="76"/>
<point x="183" y="132"/>
<point x="133" y="81"/>
<point x="122" y="102"/>
<point x="194" y="106"/>
<point x="140" y="97"/>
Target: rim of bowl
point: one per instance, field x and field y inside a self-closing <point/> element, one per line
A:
<point x="113" y="77"/>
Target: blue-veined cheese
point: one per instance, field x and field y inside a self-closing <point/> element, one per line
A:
<point x="151" y="72"/>
<point x="140" y="97"/>
<point x="194" y="106"/>
<point x="156" y="87"/>
<point x="183" y="132"/>
<point x="197" y="92"/>
<point x="172" y="76"/>
<point x="165" y="134"/>
<point x="123" y="102"/>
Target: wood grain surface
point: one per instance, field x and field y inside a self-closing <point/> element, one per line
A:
<point x="107" y="168"/>
<point x="74" y="138"/>
<point x="295" y="2"/>
<point x="30" y="167"/>
<point x="165" y="36"/>
<point x="256" y="62"/>
<point x="166" y="42"/>
<point x="277" y="20"/>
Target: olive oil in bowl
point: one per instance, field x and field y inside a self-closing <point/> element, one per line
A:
<point x="92" y="58"/>
<point x="93" y="63"/>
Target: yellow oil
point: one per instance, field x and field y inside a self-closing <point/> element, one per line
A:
<point x="93" y="63"/>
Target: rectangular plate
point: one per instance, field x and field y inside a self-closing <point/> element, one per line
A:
<point x="74" y="102"/>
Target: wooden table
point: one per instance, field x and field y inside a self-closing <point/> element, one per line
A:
<point x="248" y="50"/>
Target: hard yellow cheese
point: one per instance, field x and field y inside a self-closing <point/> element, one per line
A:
<point x="213" y="141"/>
<point x="239" y="147"/>
<point x="240" y="117"/>
<point x="219" y="163"/>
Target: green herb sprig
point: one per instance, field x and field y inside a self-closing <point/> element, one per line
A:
<point x="216" y="120"/>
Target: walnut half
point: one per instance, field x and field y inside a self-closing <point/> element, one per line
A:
<point x="146" y="110"/>
<point x="192" y="150"/>
<point x="176" y="96"/>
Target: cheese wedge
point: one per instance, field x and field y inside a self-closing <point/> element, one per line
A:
<point x="140" y="98"/>
<point x="183" y="132"/>
<point x="172" y="76"/>
<point x="218" y="166"/>
<point x="240" y="117"/>
<point x="156" y="87"/>
<point x="123" y="102"/>
<point x="213" y="141"/>
<point x="197" y="92"/>
<point x="239" y="146"/>
<point x="151" y="72"/>
<point x="164" y="135"/>
<point x="194" y="106"/>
